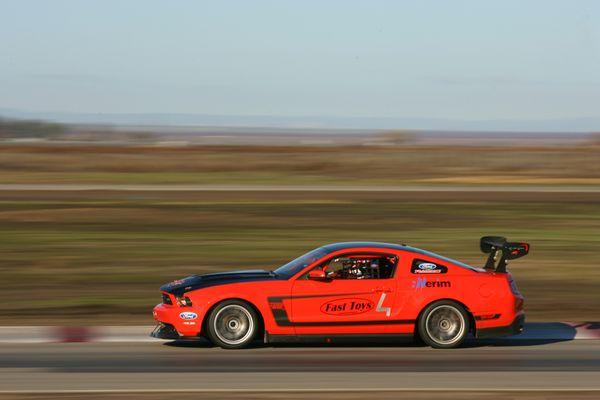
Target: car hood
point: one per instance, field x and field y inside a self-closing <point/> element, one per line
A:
<point x="180" y="286"/>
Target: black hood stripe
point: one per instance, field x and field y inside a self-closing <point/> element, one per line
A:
<point x="178" y="288"/>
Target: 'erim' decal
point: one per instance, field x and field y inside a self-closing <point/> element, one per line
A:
<point x="421" y="283"/>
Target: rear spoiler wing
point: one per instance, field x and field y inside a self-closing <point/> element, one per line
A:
<point x="500" y="251"/>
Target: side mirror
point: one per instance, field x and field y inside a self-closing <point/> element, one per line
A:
<point x="317" y="275"/>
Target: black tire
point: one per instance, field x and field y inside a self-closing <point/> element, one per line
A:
<point x="232" y="324"/>
<point x="444" y="324"/>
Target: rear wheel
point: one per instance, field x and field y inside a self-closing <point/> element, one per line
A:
<point x="232" y="324"/>
<point x="444" y="324"/>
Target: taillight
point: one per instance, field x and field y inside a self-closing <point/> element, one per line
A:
<point x="519" y="303"/>
<point x="513" y="287"/>
<point x="515" y="291"/>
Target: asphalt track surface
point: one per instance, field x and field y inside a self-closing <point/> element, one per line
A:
<point x="493" y="365"/>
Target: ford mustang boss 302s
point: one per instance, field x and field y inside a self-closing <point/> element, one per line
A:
<point x="350" y="290"/>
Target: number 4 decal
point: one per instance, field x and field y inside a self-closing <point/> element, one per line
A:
<point x="380" y="308"/>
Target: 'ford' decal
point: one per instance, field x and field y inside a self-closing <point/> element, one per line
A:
<point x="427" y="266"/>
<point x="187" y="315"/>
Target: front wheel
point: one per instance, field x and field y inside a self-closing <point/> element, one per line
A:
<point x="232" y="324"/>
<point x="444" y="325"/>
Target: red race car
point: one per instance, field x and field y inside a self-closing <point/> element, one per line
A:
<point x="350" y="290"/>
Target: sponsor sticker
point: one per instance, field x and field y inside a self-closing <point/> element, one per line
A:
<point x="188" y="315"/>
<point x="349" y="306"/>
<point x="181" y="281"/>
<point x="422" y="283"/>
<point x="426" y="267"/>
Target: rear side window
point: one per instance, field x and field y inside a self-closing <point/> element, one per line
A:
<point x="420" y="266"/>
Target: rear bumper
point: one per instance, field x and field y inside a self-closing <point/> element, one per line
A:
<point x="514" y="328"/>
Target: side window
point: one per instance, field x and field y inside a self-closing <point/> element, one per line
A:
<point x="361" y="266"/>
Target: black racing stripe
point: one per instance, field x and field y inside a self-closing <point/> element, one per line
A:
<point x="479" y="318"/>
<point x="339" y="338"/>
<point x="352" y="323"/>
<point x="281" y="317"/>
<point x="279" y="299"/>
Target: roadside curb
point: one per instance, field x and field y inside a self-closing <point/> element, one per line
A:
<point x="74" y="334"/>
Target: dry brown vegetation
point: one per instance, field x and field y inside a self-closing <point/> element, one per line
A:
<point x="394" y="165"/>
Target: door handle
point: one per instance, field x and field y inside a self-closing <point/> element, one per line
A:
<point x="381" y="290"/>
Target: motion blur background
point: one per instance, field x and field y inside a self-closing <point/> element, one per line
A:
<point x="146" y="141"/>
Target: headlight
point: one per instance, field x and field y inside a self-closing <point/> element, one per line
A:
<point x="166" y="299"/>
<point x="184" y="301"/>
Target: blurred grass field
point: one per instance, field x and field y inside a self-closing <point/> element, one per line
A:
<point x="99" y="257"/>
<point x="90" y="257"/>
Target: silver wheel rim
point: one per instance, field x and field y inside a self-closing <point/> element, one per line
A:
<point x="233" y="324"/>
<point x="445" y="325"/>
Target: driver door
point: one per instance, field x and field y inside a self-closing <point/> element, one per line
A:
<point x="342" y="304"/>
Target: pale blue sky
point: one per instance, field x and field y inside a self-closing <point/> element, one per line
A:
<point x="468" y="60"/>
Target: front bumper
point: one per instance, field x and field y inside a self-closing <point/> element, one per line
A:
<point x="165" y="331"/>
<point x="514" y="328"/>
<point x="171" y="316"/>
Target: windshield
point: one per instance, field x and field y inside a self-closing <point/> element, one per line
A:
<point x="293" y="267"/>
